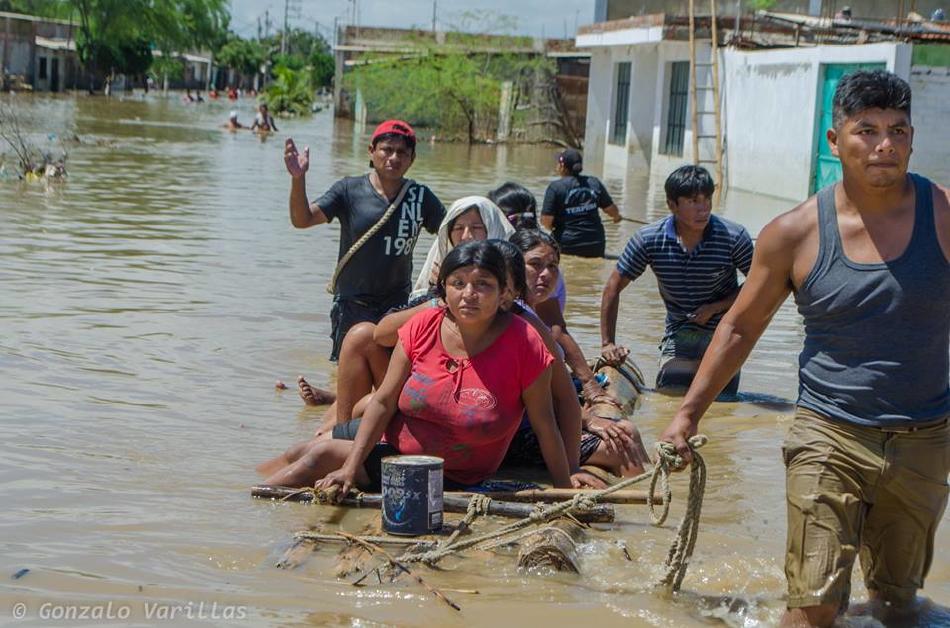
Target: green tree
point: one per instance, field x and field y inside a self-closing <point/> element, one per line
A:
<point x="454" y="91"/>
<point x="113" y="34"/>
<point x="166" y="68"/>
<point x="42" y="8"/>
<point x="304" y="49"/>
<point x="243" y="55"/>
<point x="322" y="68"/>
<point x="290" y="92"/>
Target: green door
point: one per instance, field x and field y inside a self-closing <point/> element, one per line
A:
<point x="826" y="168"/>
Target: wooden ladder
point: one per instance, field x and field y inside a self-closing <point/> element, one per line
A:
<point x="710" y="101"/>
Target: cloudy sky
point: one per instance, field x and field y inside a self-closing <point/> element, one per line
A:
<point x="551" y="18"/>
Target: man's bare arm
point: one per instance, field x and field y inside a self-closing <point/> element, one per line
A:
<point x="302" y="214"/>
<point x="612" y="211"/>
<point x="707" y="310"/>
<point x="609" y="305"/>
<point x="547" y="222"/>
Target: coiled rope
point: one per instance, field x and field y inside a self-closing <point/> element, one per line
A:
<point x="668" y="459"/>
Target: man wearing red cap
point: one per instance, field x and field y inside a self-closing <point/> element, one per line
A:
<point x="380" y="214"/>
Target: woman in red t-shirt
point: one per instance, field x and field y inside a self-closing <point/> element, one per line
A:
<point x="458" y="383"/>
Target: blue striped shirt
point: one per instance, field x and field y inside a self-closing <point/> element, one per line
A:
<point x="689" y="279"/>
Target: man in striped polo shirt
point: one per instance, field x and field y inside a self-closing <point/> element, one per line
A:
<point x="694" y="256"/>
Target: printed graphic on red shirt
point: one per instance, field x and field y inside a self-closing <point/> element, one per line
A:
<point x="477" y="398"/>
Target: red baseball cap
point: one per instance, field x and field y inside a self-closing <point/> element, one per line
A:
<point x="397" y="127"/>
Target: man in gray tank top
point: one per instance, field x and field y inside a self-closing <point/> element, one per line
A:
<point x="867" y="456"/>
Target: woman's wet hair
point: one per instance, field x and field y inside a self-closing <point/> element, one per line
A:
<point x="514" y="261"/>
<point x="869" y="89"/>
<point x="479" y="254"/>
<point x="518" y="204"/>
<point x="572" y="161"/>
<point x="687" y="182"/>
<point x="528" y="239"/>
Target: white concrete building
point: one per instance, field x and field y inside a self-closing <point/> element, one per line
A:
<point x="775" y="106"/>
<point x="37" y="51"/>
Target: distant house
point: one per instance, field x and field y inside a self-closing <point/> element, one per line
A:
<point x="197" y="69"/>
<point x="38" y="53"/>
<point x="609" y="10"/>
<point x="775" y="94"/>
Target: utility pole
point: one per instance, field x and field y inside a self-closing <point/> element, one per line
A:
<point x="435" y="4"/>
<point x="283" y="35"/>
<point x="258" y="27"/>
<point x="266" y="23"/>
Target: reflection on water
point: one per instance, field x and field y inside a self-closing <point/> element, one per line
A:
<point x="150" y="301"/>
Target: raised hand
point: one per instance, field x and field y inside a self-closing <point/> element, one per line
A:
<point x="297" y="164"/>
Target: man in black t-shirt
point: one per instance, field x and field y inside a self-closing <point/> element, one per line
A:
<point x="378" y="276"/>
<point x="571" y="207"/>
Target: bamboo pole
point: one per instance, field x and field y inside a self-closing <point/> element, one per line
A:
<point x="552" y="495"/>
<point x="714" y="69"/>
<point x="451" y="502"/>
<point x="692" y="81"/>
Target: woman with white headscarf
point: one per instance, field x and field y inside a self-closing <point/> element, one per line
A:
<point x="469" y="218"/>
<point x="363" y="360"/>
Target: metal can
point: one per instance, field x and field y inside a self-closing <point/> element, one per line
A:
<point x="412" y="494"/>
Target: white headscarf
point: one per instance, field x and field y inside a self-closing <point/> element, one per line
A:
<point x="496" y="226"/>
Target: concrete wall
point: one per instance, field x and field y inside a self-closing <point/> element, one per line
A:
<point x="637" y="150"/>
<point x="770" y="111"/>
<point x="661" y="164"/>
<point x="770" y="100"/>
<point x="599" y="90"/>
<point x="619" y="9"/>
<point x="930" y="111"/>
<point x="645" y="77"/>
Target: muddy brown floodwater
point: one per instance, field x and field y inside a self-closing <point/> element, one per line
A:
<point x="150" y="301"/>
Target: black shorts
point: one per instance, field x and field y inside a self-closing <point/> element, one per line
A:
<point x="588" y="250"/>
<point x="374" y="465"/>
<point x="525" y="450"/>
<point x="374" y="461"/>
<point x="346" y="430"/>
<point x="347" y="312"/>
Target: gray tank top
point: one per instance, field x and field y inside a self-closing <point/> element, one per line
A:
<point x="877" y="336"/>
